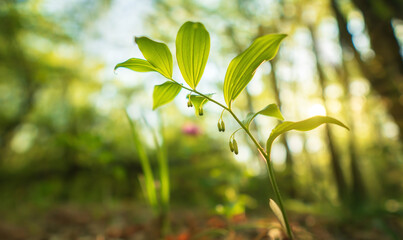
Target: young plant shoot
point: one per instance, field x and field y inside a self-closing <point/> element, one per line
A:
<point x="192" y="50"/>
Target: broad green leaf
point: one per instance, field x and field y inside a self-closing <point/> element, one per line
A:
<point x="277" y="212"/>
<point x="198" y="101"/>
<point x="157" y="54"/>
<point x="304" y="125"/>
<point x="165" y="93"/>
<point x="242" y="68"/>
<point x="270" y="110"/>
<point x="138" y="65"/>
<point x="192" y="50"/>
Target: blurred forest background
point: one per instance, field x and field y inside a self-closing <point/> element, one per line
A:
<point x="66" y="151"/>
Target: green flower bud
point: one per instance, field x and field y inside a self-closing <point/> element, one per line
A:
<point x="190" y="104"/>
<point x="201" y="111"/>
<point x="231" y="146"/>
<point x="235" y="144"/>
<point x="219" y="126"/>
<point x="222" y="126"/>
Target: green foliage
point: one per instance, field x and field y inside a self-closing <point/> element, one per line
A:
<point x="304" y="125"/>
<point x="192" y="50"/>
<point x="242" y="68"/>
<point x="138" y="65"/>
<point x="157" y="54"/>
<point x="165" y="93"/>
<point x="193" y="45"/>
<point x="270" y="110"/>
<point x="158" y="197"/>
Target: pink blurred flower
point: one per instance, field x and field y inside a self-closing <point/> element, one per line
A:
<point x="191" y="129"/>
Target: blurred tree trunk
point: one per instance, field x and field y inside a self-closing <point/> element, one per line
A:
<point x="334" y="155"/>
<point x="358" y="187"/>
<point x="385" y="70"/>
<point x="17" y="63"/>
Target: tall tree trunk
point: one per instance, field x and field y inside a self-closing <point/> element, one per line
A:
<point x="24" y="70"/>
<point x="385" y="70"/>
<point x="334" y="155"/>
<point x="358" y="188"/>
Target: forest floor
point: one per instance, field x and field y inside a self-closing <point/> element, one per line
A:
<point x="125" y="221"/>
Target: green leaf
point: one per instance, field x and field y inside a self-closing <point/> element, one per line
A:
<point x="157" y="54"/>
<point x="270" y="110"/>
<point x="138" y="65"/>
<point x="198" y="101"/>
<point x="277" y="212"/>
<point x="192" y="50"/>
<point x="304" y="125"/>
<point x="242" y="68"/>
<point x="165" y="93"/>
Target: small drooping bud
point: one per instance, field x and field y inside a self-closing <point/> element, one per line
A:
<point x="222" y="126"/>
<point x="190" y="104"/>
<point x="231" y="146"/>
<point x="235" y="145"/>
<point x="201" y="111"/>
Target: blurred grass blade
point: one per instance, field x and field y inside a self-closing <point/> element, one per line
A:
<point x="138" y="65"/>
<point x="165" y="93"/>
<point x="145" y="165"/>
<point x="163" y="166"/>
<point x="164" y="190"/>
<point x="164" y="172"/>
<point x="304" y="125"/>
<point x="270" y="110"/>
<point x="157" y="54"/>
<point x="164" y="175"/>
<point x="242" y="68"/>
<point x="192" y="50"/>
<point x="198" y="102"/>
<point x="277" y="212"/>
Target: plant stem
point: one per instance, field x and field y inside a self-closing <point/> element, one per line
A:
<point x="278" y="195"/>
<point x="265" y="155"/>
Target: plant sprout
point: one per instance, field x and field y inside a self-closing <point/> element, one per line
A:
<point x="192" y="50"/>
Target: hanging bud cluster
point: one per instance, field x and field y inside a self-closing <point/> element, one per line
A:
<point x="233" y="146"/>
<point x="221" y="125"/>
<point x="201" y="110"/>
<point x="190" y="104"/>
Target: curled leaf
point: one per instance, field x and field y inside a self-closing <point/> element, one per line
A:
<point x="277" y="212"/>
<point x="270" y="110"/>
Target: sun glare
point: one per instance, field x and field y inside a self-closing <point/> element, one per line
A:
<point x="317" y="109"/>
